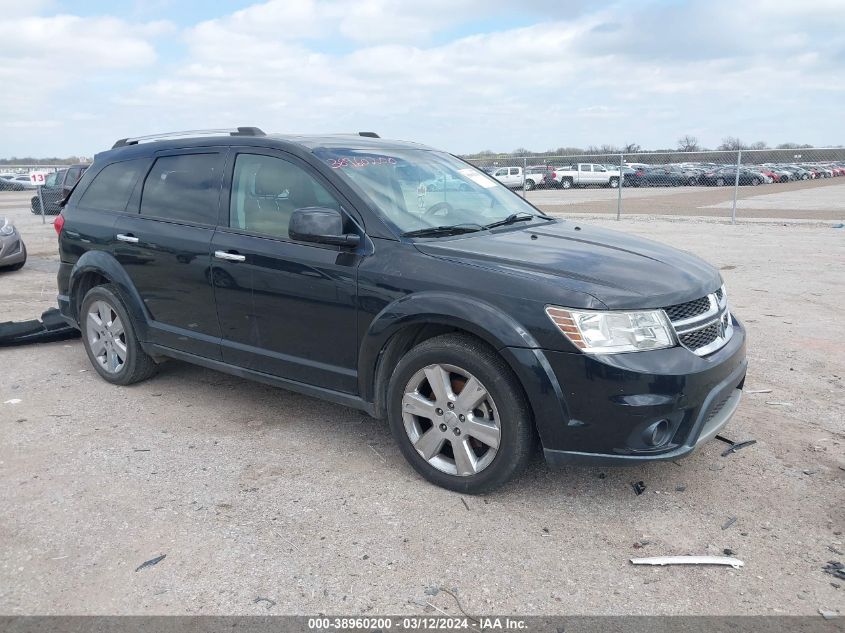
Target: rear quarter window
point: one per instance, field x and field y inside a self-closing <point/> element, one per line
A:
<point x="112" y="186"/>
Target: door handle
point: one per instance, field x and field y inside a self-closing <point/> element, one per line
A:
<point x="229" y="257"/>
<point x="127" y="238"/>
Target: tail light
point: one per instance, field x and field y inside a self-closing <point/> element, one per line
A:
<point x="554" y="174"/>
<point x="639" y="172"/>
<point x="59" y="223"/>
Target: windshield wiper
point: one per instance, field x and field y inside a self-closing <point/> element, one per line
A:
<point x="450" y="229"/>
<point x="513" y="217"/>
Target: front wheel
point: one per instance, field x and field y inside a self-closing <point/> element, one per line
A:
<point x="720" y="182"/>
<point x="613" y="183"/>
<point x="755" y="182"/>
<point x="459" y="415"/>
<point x="529" y="185"/>
<point x="109" y="338"/>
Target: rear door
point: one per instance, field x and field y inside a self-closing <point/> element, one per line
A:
<point x="585" y="174"/>
<point x="164" y="244"/>
<point x="286" y="308"/>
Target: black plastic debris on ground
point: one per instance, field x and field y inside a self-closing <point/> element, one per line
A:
<point x="151" y="562"/>
<point x="51" y="327"/>
<point x="734" y="446"/>
<point x="835" y="569"/>
<point x="638" y="486"/>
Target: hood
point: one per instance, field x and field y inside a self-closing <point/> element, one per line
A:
<point x="621" y="271"/>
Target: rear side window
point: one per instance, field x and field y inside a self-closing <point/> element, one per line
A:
<point x="112" y="187"/>
<point x="183" y="188"/>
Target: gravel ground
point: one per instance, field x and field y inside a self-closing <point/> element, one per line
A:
<point x="254" y="492"/>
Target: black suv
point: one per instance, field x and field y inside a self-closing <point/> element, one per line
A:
<point x="469" y="319"/>
<point x="58" y="185"/>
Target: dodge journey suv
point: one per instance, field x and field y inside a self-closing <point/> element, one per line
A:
<point x="476" y="324"/>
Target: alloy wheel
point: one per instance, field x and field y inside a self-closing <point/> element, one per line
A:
<point x="451" y="419"/>
<point x="106" y="336"/>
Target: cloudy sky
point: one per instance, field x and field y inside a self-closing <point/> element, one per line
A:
<point x="461" y="75"/>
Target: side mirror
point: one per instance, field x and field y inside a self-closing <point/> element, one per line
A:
<point x="320" y="226"/>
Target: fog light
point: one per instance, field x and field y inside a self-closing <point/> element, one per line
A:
<point x="657" y="434"/>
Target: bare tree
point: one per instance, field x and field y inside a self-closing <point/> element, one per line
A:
<point x="688" y="143"/>
<point x="731" y="143"/>
<point x="759" y="145"/>
<point x="632" y="148"/>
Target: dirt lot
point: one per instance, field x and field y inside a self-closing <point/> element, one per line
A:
<point x="256" y="492"/>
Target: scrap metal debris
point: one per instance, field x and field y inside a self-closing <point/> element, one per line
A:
<point x="728" y="523"/>
<point x="774" y="403"/>
<point x="735" y="446"/>
<point x="758" y="391"/>
<point x="835" y="569"/>
<point x="151" y="562"/>
<point x="689" y="560"/>
<point x="51" y="327"/>
<point x="13" y="401"/>
<point x="638" y="486"/>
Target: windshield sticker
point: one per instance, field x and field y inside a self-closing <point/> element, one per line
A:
<point x="372" y="161"/>
<point x="478" y="178"/>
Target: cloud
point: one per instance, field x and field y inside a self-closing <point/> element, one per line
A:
<point x="464" y="76"/>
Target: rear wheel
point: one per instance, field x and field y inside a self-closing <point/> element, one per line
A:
<point x="720" y="182"/>
<point x="613" y="183"/>
<point x="566" y="183"/>
<point x="755" y="181"/>
<point x="109" y="338"/>
<point x="459" y="415"/>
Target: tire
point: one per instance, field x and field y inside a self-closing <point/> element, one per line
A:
<point x="566" y="183"/>
<point x="529" y="185"/>
<point x="692" y="182"/>
<point x="720" y="182"/>
<point x="613" y="183"/>
<point x="445" y="431"/>
<point x="755" y="181"/>
<point x="113" y="337"/>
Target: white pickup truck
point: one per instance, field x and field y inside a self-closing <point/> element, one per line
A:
<point x="512" y="177"/>
<point x="583" y="174"/>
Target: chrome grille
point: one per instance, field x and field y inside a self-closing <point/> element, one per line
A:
<point x="703" y="325"/>
<point x="688" y="310"/>
<point x="699" y="338"/>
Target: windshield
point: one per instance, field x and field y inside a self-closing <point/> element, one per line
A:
<point x="416" y="190"/>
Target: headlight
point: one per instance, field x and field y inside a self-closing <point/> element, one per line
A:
<point x="612" y="332"/>
<point x="7" y="228"/>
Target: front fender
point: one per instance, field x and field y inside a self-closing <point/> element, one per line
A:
<point x="103" y="263"/>
<point x="437" y="308"/>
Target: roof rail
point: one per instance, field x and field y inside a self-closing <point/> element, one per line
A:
<point x="369" y="134"/>
<point x="239" y="131"/>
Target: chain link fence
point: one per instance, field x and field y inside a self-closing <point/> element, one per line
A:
<point x="770" y="183"/>
<point x="46" y="183"/>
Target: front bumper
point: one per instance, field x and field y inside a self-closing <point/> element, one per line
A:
<point x="608" y="405"/>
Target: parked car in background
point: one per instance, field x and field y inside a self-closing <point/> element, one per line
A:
<point x="728" y="175"/>
<point x="8" y="183"/>
<point x="56" y="188"/>
<point x="510" y="177"/>
<point x="585" y="174"/>
<point x="12" y="248"/>
<point x="658" y="177"/>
